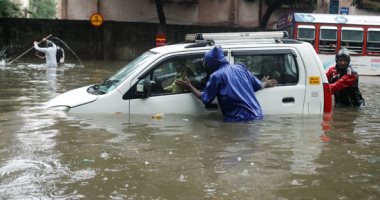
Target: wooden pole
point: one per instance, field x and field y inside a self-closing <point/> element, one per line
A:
<point x="29" y="49"/>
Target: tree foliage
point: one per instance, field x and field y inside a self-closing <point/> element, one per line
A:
<point x="357" y="3"/>
<point x="9" y="9"/>
<point x="371" y="5"/>
<point x="43" y="9"/>
<point x="273" y="5"/>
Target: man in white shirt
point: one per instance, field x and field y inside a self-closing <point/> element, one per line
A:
<point x="50" y="53"/>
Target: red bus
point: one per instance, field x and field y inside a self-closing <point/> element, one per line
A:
<point x="328" y="33"/>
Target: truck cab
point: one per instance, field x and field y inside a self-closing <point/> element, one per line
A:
<point x="146" y="85"/>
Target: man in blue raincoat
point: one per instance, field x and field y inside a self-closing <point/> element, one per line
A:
<point x="234" y="86"/>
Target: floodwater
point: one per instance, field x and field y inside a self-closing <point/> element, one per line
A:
<point x="55" y="155"/>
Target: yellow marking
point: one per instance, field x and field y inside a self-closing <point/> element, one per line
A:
<point x="96" y="19"/>
<point x="314" y="80"/>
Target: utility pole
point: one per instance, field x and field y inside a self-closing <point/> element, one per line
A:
<point x="98" y="6"/>
<point x="260" y="10"/>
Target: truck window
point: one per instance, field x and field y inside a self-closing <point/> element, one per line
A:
<point x="281" y="67"/>
<point x="164" y="75"/>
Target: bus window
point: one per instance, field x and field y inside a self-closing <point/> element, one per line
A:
<point x="327" y="39"/>
<point x="352" y="39"/>
<point x="373" y="41"/>
<point x="306" y="33"/>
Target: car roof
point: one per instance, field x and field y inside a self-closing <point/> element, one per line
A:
<point x="199" y="41"/>
<point x="195" y="46"/>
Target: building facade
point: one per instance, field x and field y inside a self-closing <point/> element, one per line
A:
<point x="236" y="13"/>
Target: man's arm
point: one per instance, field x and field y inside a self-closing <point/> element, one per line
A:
<point x="344" y="82"/>
<point x="39" y="48"/>
<point x="186" y="83"/>
<point x="38" y="55"/>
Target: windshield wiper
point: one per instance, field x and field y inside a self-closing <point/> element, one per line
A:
<point x="108" y="82"/>
<point x="102" y="87"/>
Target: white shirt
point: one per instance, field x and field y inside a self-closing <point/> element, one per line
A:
<point x="50" y="54"/>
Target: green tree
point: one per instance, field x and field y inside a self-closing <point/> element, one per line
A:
<point x="371" y="5"/>
<point x="272" y="5"/>
<point x="43" y="9"/>
<point x="9" y="9"/>
<point x="357" y="3"/>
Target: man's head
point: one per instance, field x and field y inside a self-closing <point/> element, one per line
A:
<point x="49" y="44"/>
<point x="342" y="59"/>
<point x="213" y="59"/>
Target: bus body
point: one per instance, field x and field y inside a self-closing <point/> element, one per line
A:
<point x="328" y="33"/>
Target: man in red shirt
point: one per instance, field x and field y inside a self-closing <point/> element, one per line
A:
<point x="344" y="81"/>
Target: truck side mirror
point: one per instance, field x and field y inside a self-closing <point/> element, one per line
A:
<point x="147" y="88"/>
<point x="141" y="90"/>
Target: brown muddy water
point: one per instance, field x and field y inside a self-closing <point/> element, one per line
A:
<point x="55" y="155"/>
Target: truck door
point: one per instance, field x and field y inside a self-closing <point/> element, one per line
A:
<point x="156" y="91"/>
<point x="281" y="64"/>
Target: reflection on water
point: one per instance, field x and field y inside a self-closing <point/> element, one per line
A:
<point x="55" y="155"/>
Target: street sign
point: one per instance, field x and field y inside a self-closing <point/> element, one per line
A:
<point x="96" y="19"/>
<point x="344" y="10"/>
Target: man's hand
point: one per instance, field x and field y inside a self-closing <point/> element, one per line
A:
<point x="268" y="82"/>
<point x="183" y="83"/>
<point x="35" y="43"/>
<point x="186" y="83"/>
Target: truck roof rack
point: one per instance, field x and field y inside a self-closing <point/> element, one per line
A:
<point x="204" y="39"/>
<point x="237" y="35"/>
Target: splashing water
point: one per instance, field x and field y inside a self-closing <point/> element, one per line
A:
<point x="67" y="46"/>
<point x="3" y="57"/>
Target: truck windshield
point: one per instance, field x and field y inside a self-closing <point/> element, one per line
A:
<point x="112" y="82"/>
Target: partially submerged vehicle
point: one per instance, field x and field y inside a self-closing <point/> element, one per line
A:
<point x="145" y="85"/>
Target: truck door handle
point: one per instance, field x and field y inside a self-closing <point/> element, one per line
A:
<point x="288" y="100"/>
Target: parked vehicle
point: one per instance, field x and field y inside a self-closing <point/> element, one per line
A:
<point x="329" y="32"/>
<point x="144" y="86"/>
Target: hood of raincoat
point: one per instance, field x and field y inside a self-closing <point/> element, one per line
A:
<point x="214" y="59"/>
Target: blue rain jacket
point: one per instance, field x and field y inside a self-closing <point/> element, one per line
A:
<point x="234" y="86"/>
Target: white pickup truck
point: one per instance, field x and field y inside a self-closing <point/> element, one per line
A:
<point x="144" y="86"/>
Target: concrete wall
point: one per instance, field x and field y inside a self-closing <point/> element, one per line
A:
<point x="238" y="13"/>
<point x="113" y="40"/>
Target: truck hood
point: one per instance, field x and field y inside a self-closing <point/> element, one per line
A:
<point x="72" y="98"/>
